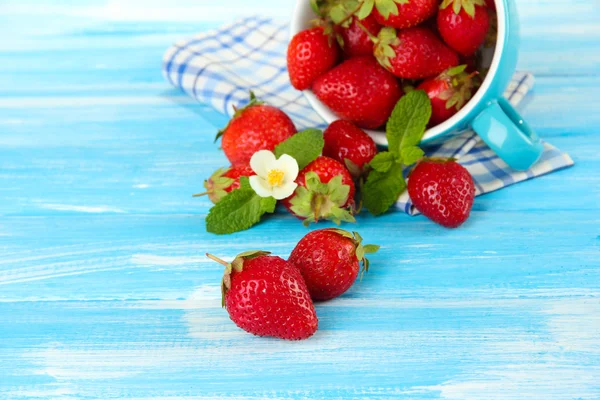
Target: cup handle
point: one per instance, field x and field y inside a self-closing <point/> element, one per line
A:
<point x="505" y="131"/>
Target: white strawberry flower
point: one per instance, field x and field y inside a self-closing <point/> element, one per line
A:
<point x="274" y="176"/>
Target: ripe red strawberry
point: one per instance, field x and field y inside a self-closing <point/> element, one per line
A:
<point x="310" y="54"/>
<point x="413" y="53"/>
<point x="359" y="90"/>
<point x="325" y="191"/>
<point x="350" y="145"/>
<point x="223" y="181"/>
<point x="443" y="191"/>
<point x="266" y="296"/>
<point x="463" y="24"/>
<point x="404" y="14"/>
<point x="491" y="4"/>
<point x="255" y="127"/>
<point x="328" y="260"/>
<point x="448" y="92"/>
<point x="354" y="40"/>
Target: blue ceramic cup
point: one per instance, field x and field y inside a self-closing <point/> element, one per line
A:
<point x="487" y="113"/>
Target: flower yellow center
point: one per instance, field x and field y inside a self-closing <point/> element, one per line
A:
<point x="275" y="177"/>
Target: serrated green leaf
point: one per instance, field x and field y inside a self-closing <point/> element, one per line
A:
<point x="382" y="189"/>
<point x="411" y="155"/>
<point x="304" y="146"/>
<point x="238" y="211"/>
<point x="408" y="122"/>
<point x="365" y="9"/>
<point x="382" y="162"/>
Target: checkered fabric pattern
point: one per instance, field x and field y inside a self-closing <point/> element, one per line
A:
<point x="218" y="68"/>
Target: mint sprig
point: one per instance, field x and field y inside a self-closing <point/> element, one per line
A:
<point x="407" y="123"/>
<point x="239" y="210"/>
<point x="304" y="146"/>
<point x="404" y="131"/>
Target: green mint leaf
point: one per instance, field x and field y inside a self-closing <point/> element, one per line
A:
<point x="239" y="210"/>
<point x="304" y="146"/>
<point x="382" y="189"/>
<point x="408" y="122"/>
<point x="383" y="161"/>
<point x="411" y="155"/>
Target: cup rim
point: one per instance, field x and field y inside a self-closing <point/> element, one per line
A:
<point x="298" y="23"/>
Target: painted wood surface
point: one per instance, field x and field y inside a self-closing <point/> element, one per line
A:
<point x="104" y="289"/>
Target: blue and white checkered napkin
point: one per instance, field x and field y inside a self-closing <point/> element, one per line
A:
<point x="220" y="67"/>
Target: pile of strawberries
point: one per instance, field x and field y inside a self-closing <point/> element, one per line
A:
<point x="363" y="55"/>
<point x="405" y="65"/>
<point x="268" y="296"/>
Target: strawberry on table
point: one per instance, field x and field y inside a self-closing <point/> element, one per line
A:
<point x="413" y="53"/>
<point x="255" y="127"/>
<point x="329" y="261"/>
<point x="448" y="92"/>
<point x="325" y="191"/>
<point x="404" y="13"/>
<point x="223" y="181"/>
<point x="266" y="296"/>
<point x="442" y="190"/>
<point x="350" y="145"/>
<point x="359" y="90"/>
<point x="354" y="40"/>
<point x="463" y="24"/>
<point x="310" y="54"/>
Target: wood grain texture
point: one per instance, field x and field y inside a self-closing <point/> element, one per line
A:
<point x="104" y="289"/>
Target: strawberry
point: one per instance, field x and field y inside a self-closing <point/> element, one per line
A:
<point x="354" y="40"/>
<point x="359" y="90"/>
<point x="448" y="92"/>
<point x="325" y="191"/>
<point x="255" y="127"/>
<point x="442" y="190"/>
<point x="463" y="24"/>
<point x="223" y="181"/>
<point x="266" y="296"/>
<point x="491" y="4"/>
<point x="413" y="53"/>
<point x="310" y="54"/>
<point x="403" y="14"/>
<point x="349" y="145"/>
<point x="328" y="260"/>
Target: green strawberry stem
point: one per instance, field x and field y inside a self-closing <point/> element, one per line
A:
<point x="200" y="194"/>
<point x="373" y="38"/>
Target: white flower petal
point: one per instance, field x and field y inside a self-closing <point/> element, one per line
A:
<point x="284" y="191"/>
<point x="289" y="166"/>
<point x="261" y="162"/>
<point x="260" y="186"/>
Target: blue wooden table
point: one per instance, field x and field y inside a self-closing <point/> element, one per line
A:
<point x="105" y="291"/>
